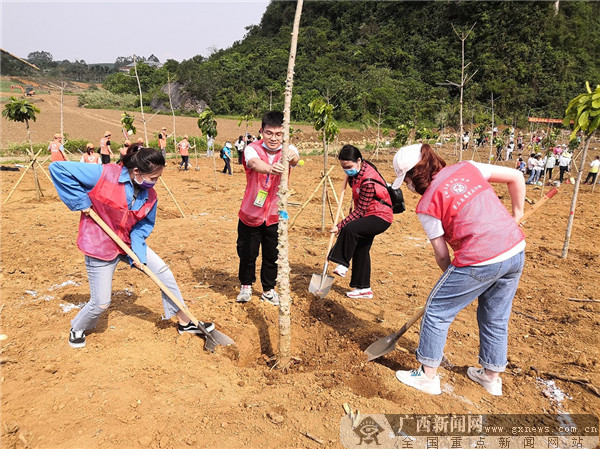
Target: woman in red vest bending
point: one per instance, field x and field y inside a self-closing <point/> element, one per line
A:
<point x="371" y="215"/>
<point x="124" y="197"/>
<point x="460" y="209"/>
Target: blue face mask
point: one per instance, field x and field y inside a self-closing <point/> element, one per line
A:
<point x="351" y="172"/>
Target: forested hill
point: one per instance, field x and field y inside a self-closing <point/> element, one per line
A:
<point x="391" y="56"/>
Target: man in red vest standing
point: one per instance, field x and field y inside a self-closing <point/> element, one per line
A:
<point x="57" y="151"/>
<point x="162" y="141"/>
<point x="258" y="217"/>
<point x="105" y="151"/>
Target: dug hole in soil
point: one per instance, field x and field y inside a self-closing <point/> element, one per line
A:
<point x="138" y="383"/>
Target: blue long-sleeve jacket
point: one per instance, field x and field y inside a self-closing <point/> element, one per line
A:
<point x="73" y="182"/>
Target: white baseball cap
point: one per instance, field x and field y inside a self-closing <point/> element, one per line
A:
<point x="404" y="160"/>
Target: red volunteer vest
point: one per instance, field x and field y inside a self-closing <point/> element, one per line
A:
<point x="55" y="152"/>
<point x="104" y="146"/>
<point x="109" y="201"/>
<point x="184" y="148"/>
<point x="477" y="225"/>
<point x="375" y="207"/>
<point x="250" y="214"/>
<point x="91" y="158"/>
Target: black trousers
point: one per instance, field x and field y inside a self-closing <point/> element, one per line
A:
<point x="105" y="158"/>
<point x="249" y="241"/>
<point x="227" y="167"/>
<point x="354" y="243"/>
<point x="184" y="162"/>
<point x="562" y="171"/>
<point x="549" y="172"/>
<point x="591" y="177"/>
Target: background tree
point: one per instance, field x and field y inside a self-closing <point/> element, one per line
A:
<point x="22" y="111"/>
<point x="42" y="59"/>
<point x="322" y="116"/>
<point x="127" y="123"/>
<point x="584" y="110"/>
<point x="208" y="127"/>
<point x="464" y="79"/>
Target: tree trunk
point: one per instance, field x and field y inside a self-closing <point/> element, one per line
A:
<point x="62" y="88"/>
<point x="141" y="99"/>
<point x="214" y="168"/>
<point x="283" y="264"/>
<point x="323" y="196"/>
<point x="462" y="85"/>
<point x="173" y="114"/>
<point x="565" y="250"/>
<point x="38" y="188"/>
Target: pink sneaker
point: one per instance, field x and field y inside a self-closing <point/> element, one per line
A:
<point x="341" y="271"/>
<point x="360" y="293"/>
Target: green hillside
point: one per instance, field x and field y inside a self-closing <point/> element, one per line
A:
<point x="392" y="56"/>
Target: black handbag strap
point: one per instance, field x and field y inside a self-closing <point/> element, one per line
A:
<point x="381" y="184"/>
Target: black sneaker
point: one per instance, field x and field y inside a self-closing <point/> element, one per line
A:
<point x="192" y="328"/>
<point x="77" y="339"/>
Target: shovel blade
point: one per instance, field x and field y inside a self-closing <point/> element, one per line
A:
<point x="215" y="338"/>
<point x="319" y="285"/>
<point x="382" y="346"/>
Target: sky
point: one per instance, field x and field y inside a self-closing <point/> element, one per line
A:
<point x="101" y="31"/>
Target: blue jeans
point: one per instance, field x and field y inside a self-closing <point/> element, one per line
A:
<point x="534" y="177"/>
<point x="100" y="276"/>
<point x="495" y="286"/>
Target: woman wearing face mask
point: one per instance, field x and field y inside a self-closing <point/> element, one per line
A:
<point x="371" y="215"/>
<point x="124" y="197"/>
<point x="459" y="209"/>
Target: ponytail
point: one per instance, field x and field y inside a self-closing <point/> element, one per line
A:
<point x="146" y="160"/>
<point x="422" y="173"/>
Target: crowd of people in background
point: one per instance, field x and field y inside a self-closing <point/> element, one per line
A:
<point x="538" y="166"/>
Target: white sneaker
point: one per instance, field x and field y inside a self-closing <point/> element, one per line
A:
<point x="493" y="386"/>
<point x="245" y="293"/>
<point x="360" y="293"/>
<point x="416" y="378"/>
<point x="271" y="297"/>
<point x="341" y="271"/>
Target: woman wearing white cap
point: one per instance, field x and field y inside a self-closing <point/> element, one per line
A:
<point x="459" y="208"/>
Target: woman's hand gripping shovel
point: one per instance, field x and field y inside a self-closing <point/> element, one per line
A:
<point x="388" y="344"/>
<point x="213" y="338"/>
<point x="320" y="284"/>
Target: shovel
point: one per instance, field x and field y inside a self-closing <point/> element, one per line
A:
<point x="320" y="284"/>
<point x="213" y="338"/>
<point x="388" y="344"/>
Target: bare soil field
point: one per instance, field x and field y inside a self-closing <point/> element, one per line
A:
<point x="138" y="383"/>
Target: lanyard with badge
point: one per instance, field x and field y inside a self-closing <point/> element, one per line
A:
<point x="262" y="194"/>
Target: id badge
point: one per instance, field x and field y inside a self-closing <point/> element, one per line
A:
<point x="260" y="198"/>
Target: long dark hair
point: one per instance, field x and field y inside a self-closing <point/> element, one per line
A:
<point x="350" y="153"/>
<point x="146" y="160"/>
<point x="422" y="173"/>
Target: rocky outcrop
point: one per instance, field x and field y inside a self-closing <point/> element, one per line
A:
<point x="180" y="99"/>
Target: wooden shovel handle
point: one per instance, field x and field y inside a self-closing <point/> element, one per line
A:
<point x="337" y="217"/>
<point x="145" y="269"/>
<point x="539" y="204"/>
